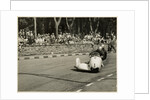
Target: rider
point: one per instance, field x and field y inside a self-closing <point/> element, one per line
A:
<point x="101" y="55"/>
<point x="101" y="51"/>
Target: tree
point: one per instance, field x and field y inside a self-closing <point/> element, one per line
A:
<point x="35" y="31"/>
<point x="70" y="26"/>
<point x="57" y="24"/>
<point x="107" y="25"/>
<point x="25" y="22"/>
<point x="94" y="24"/>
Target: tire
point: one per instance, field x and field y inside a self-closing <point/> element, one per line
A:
<point x="95" y="70"/>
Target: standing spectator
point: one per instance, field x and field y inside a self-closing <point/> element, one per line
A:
<point x="60" y="37"/>
<point x="52" y="38"/>
<point x="31" y="38"/>
<point x="113" y="41"/>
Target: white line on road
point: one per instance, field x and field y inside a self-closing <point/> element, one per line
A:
<point x="100" y="79"/>
<point x="89" y="84"/>
<point x="109" y="75"/>
<point x="79" y="90"/>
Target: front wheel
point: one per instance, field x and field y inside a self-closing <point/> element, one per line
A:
<point x="95" y="70"/>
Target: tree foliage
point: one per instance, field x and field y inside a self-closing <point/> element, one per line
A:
<point x="74" y="25"/>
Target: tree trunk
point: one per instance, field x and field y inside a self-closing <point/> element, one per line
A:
<point x="56" y="25"/>
<point x="71" y="25"/>
<point x="35" y="30"/>
<point x="91" y="26"/>
<point x="79" y="29"/>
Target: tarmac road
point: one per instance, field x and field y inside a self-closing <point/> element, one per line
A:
<point x="59" y="75"/>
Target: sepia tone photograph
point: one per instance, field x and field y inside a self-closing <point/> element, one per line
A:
<point x="67" y="54"/>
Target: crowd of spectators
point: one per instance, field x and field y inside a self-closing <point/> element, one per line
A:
<point x="28" y="38"/>
<point x="95" y="39"/>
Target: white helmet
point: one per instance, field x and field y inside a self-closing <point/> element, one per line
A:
<point x="100" y="47"/>
<point x="103" y="45"/>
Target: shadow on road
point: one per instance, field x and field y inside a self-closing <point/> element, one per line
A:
<point x="49" y="76"/>
<point x="83" y="71"/>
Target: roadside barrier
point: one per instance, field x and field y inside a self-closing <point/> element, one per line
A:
<point x="50" y="56"/>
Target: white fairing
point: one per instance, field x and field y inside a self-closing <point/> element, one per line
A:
<point x="95" y="62"/>
<point x="77" y="62"/>
<point x="81" y="66"/>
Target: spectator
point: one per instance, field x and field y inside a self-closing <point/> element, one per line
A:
<point x="53" y="38"/>
<point x="113" y="41"/>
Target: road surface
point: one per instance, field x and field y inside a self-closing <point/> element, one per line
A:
<point x="59" y="75"/>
